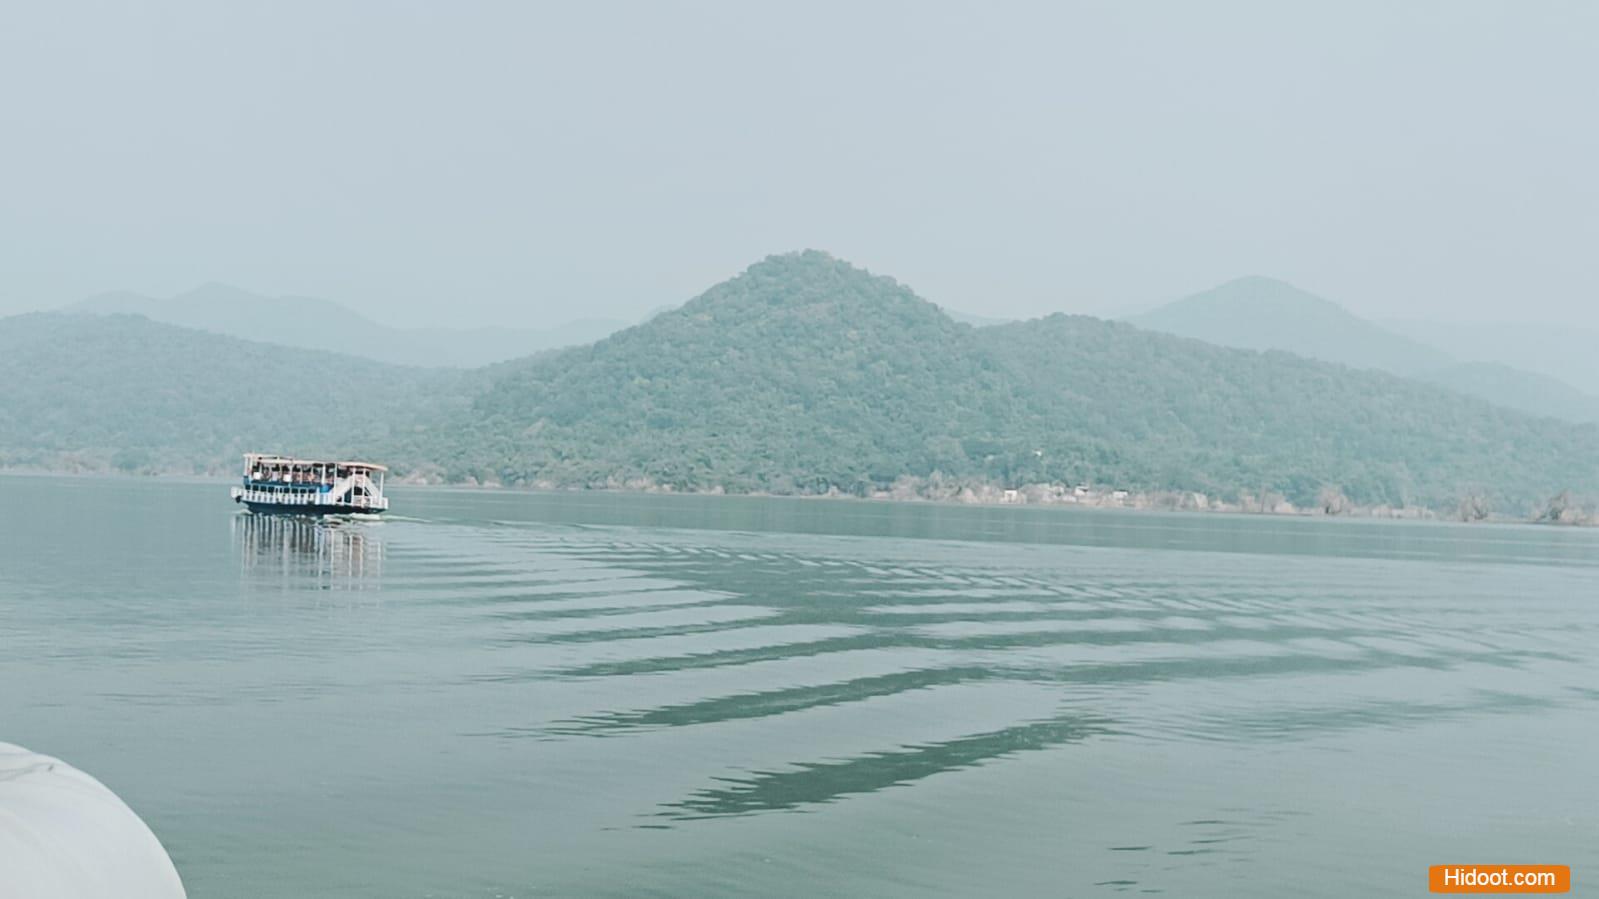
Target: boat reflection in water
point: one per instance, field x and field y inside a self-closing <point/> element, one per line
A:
<point x="299" y="552"/>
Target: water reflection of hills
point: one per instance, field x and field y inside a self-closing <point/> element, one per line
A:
<point x="820" y="782"/>
<point x="331" y="554"/>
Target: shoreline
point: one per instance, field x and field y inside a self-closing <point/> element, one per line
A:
<point x="969" y="496"/>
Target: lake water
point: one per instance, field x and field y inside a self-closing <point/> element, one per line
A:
<point x="516" y="694"/>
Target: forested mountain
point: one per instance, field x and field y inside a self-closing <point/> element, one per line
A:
<point x="1176" y="413"/>
<point x="312" y="323"/>
<point x="801" y="375"/>
<point x="88" y="392"/>
<point x="805" y="372"/>
<point x="1267" y="314"/>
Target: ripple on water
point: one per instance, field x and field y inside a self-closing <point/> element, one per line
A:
<point x="1102" y="720"/>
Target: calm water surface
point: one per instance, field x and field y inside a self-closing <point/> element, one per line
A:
<point x="508" y="694"/>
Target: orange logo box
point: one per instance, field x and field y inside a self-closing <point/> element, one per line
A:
<point x="1499" y="878"/>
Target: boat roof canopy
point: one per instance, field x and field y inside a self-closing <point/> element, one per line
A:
<point x="270" y="459"/>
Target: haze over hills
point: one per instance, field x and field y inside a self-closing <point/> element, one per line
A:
<point x="121" y="392"/>
<point x="1515" y="388"/>
<point x="1252" y="312"/>
<point x="1268" y="314"/>
<point x="801" y="375"/>
<point x="312" y="323"/>
<point x="1570" y="354"/>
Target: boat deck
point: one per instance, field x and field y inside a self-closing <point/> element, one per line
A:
<point x="310" y="486"/>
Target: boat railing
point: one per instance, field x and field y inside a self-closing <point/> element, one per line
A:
<point x="288" y="495"/>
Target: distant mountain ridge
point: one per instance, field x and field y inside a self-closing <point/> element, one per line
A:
<point x="1570" y="354"/>
<point x="122" y="392"/>
<point x="1251" y="313"/>
<point x="801" y="375"/>
<point x="313" y="323"/>
<point x="1514" y="388"/>
<point x="804" y="374"/>
<point x="1261" y="313"/>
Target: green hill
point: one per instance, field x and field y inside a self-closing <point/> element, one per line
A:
<point x="801" y="375"/>
<point x="1178" y="414"/>
<point x="805" y="373"/>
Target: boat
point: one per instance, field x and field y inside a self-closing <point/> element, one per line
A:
<point x="310" y="486"/>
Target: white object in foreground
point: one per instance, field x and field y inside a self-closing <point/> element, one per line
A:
<point x="63" y="834"/>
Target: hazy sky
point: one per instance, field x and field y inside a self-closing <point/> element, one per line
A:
<point x="526" y="163"/>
